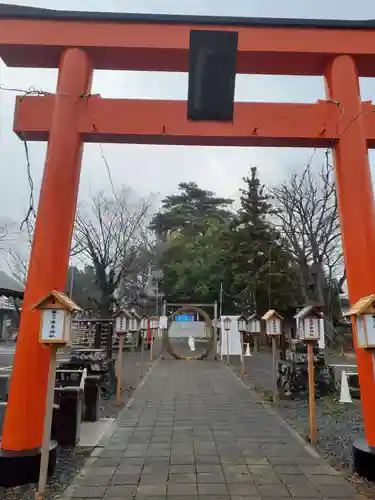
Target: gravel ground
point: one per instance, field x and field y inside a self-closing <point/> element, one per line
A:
<point x="337" y="424"/>
<point x="70" y="461"/>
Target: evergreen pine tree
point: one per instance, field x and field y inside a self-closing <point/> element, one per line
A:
<point x="261" y="275"/>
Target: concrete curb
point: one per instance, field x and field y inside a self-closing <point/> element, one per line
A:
<point x="68" y="493"/>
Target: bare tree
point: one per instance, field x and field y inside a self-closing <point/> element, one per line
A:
<point x="4" y="232"/>
<point x="308" y="220"/>
<point x="112" y="235"/>
<point x="17" y="264"/>
<point x="17" y="248"/>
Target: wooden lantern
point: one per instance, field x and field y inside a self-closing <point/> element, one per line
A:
<point x="363" y="315"/>
<point x="308" y="323"/>
<point x="143" y="325"/>
<point x="154" y="323"/>
<point x="134" y="322"/>
<point x="56" y="318"/>
<point x="254" y="324"/>
<point x="122" y="322"/>
<point x="242" y="324"/>
<point x="273" y="322"/>
<point x="227" y="323"/>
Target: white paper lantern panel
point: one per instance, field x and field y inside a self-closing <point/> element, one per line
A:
<point x="121" y="324"/>
<point x="366" y="330"/>
<point x="311" y="329"/>
<point x="53" y="326"/>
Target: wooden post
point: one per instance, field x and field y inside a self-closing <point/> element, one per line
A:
<point x="312" y="409"/>
<point x="43" y="474"/>
<point x="228" y="357"/>
<point x="119" y="368"/>
<point x="242" y="357"/>
<point x="274" y="368"/>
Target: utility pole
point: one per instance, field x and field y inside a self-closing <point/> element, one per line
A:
<point x="72" y="272"/>
<point x="157" y="298"/>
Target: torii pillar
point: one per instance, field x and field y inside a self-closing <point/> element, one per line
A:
<point x="22" y="432"/>
<point x="357" y="218"/>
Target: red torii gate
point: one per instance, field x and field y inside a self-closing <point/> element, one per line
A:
<point x="77" y="43"/>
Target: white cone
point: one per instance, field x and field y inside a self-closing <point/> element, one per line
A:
<point x="247" y="352"/>
<point x="345" y="396"/>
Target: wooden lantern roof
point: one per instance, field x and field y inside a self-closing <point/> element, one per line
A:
<point x="308" y="311"/>
<point x="363" y="306"/>
<point x="271" y="314"/>
<point x="123" y="312"/>
<point x="254" y="316"/>
<point x="63" y="301"/>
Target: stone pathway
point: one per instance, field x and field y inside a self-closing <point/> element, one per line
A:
<point x="194" y="431"/>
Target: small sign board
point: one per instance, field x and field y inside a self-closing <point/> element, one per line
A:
<point x="121" y="324"/>
<point x="53" y="325"/>
<point x="187" y="317"/>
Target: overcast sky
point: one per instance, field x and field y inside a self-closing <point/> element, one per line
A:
<point x="158" y="168"/>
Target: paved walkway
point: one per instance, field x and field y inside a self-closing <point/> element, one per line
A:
<point x="194" y="431"/>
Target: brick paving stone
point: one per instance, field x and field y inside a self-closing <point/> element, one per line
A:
<point x="326" y="480"/>
<point x="304" y="491"/>
<point x="267" y="479"/>
<point x="182" y="469"/>
<point x="184" y="497"/>
<point x="123" y="491"/>
<point x="242" y="489"/>
<point x="242" y="497"/>
<point x="296" y="479"/>
<point x="208" y="477"/>
<point x="121" y="479"/>
<point x="182" y="478"/>
<point x="330" y="491"/>
<point x="95" y="480"/>
<point x="152" y="490"/>
<point x="273" y="491"/>
<point x="212" y="489"/>
<point x="90" y="492"/>
<point x="107" y="462"/>
<point x="239" y="478"/>
<point x="193" y="430"/>
<point x="182" y="489"/>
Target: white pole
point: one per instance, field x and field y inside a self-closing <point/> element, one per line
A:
<point x="157" y="298"/>
<point x="221" y="299"/>
<point x="71" y="281"/>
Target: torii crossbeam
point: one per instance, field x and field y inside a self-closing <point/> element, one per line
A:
<point x="77" y="43"/>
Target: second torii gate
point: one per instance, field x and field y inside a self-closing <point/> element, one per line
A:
<point x="77" y="43"/>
